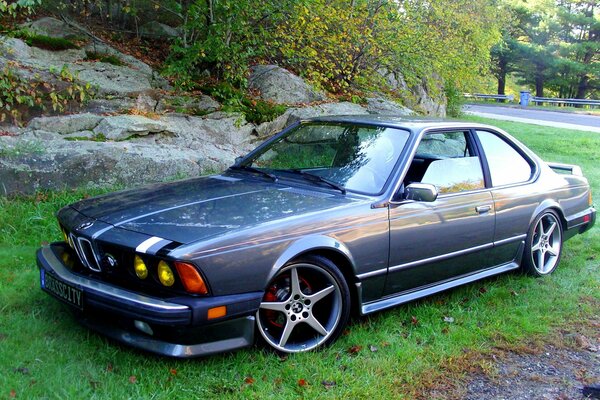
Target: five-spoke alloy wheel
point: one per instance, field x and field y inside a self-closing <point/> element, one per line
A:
<point x="306" y="305"/>
<point x="544" y="244"/>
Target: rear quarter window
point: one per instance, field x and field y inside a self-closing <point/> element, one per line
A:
<point x="507" y="165"/>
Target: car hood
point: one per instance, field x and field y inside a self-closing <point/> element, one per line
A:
<point x="196" y="209"/>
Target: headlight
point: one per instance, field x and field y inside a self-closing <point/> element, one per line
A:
<point x="165" y="274"/>
<point x="140" y="267"/>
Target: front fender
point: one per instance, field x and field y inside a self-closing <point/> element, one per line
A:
<point x="307" y="244"/>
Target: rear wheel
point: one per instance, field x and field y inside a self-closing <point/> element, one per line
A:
<point x="544" y="244"/>
<point x="305" y="306"/>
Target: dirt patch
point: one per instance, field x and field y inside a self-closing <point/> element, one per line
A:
<point x="556" y="367"/>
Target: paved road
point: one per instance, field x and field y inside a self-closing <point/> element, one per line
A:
<point x="582" y="122"/>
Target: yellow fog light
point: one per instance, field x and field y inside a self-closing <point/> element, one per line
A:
<point x="165" y="274"/>
<point x="140" y="267"/>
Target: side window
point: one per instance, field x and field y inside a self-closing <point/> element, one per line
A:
<point x="445" y="160"/>
<point x="506" y="165"/>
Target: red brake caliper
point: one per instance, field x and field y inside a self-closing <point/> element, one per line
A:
<point x="275" y="293"/>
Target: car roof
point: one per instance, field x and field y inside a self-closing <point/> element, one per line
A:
<point x="416" y="124"/>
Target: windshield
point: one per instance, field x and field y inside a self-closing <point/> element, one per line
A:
<point x="357" y="158"/>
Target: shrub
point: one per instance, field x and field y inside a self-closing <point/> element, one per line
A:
<point x="103" y="57"/>
<point x="21" y="96"/>
<point x="455" y="100"/>
<point x="235" y="100"/>
<point x="45" y="42"/>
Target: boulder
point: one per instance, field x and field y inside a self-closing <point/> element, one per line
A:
<point x="66" y="124"/>
<point x="297" y="114"/>
<point x="281" y="86"/>
<point x="343" y="108"/>
<point x="380" y="105"/>
<point x="121" y="127"/>
<point x="120" y="80"/>
<point x="93" y="164"/>
<point x="48" y="26"/>
<point x="155" y="29"/>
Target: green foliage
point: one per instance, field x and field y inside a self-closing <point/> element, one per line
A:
<point x="235" y="100"/>
<point x="336" y="45"/>
<point x="19" y="7"/>
<point x="19" y="95"/>
<point x="455" y="99"/>
<point x="552" y="46"/>
<point x="103" y="57"/>
<point x="45" y="42"/>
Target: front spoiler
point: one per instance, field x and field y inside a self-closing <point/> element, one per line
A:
<point x="178" y="325"/>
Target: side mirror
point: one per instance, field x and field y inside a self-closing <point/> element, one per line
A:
<point x="421" y="192"/>
<point x="238" y="159"/>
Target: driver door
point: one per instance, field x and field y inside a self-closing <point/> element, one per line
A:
<point x="433" y="242"/>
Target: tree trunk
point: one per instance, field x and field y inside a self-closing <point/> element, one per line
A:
<point x="582" y="88"/>
<point x="539" y="86"/>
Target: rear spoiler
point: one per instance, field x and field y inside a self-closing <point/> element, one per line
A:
<point x="566" y="168"/>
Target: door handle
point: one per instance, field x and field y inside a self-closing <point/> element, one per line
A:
<point x="483" y="209"/>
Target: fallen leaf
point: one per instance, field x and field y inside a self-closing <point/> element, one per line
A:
<point x="109" y="367"/>
<point x="373" y="348"/>
<point x="278" y="381"/>
<point x="354" y="349"/>
<point x="385" y="344"/>
<point x="132" y="379"/>
<point x="302" y="382"/>
<point x="173" y="371"/>
<point x="328" y="384"/>
<point x="414" y="320"/>
<point x="585" y="343"/>
<point x="249" y="380"/>
<point x="283" y="357"/>
<point x="12" y="393"/>
<point x="445" y="330"/>
<point x="346" y="332"/>
<point x="448" y="320"/>
<point x="482" y="290"/>
<point x="513" y="293"/>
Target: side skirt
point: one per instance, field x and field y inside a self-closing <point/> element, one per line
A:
<point x="417" y="294"/>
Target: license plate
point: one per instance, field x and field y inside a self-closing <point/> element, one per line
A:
<point x="61" y="290"/>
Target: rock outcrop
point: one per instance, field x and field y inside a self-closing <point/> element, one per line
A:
<point x="427" y="96"/>
<point x="133" y="132"/>
<point x="281" y="86"/>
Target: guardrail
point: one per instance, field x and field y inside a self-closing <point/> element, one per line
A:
<point x="526" y="98"/>
<point x="551" y="100"/>
<point x="509" y="97"/>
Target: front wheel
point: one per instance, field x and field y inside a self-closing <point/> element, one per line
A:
<point x="544" y="244"/>
<point x="305" y="306"/>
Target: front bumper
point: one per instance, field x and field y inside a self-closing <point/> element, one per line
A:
<point x="176" y="326"/>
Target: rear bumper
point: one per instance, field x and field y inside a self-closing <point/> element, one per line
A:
<point x="581" y="222"/>
<point x="175" y="326"/>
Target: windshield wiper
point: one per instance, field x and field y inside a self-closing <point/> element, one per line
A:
<point x="319" y="178"/>
<point x="273" y="177"/>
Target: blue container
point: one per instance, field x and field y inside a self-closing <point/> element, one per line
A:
<point x="524" y="98"/>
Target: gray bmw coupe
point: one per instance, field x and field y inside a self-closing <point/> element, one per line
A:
<point x="332" y="215"/>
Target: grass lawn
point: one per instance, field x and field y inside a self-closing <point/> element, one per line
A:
<point x="395" y="353"/>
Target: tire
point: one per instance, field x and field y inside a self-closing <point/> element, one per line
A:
<point x="305" y="306"/>
<point x="543" y="246"/>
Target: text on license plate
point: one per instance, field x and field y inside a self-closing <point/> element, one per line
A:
<point x="62" y="290"/>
